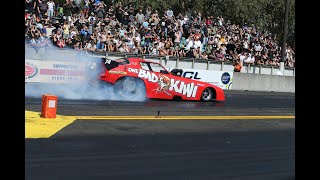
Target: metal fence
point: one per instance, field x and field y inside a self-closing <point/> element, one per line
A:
<point x="55" y="54"/>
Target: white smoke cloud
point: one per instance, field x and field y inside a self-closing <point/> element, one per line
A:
<point x="91" y="89"/>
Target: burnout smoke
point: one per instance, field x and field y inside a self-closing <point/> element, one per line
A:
<point x="91" y="88"/>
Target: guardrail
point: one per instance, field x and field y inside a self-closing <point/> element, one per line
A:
<point x="173" y="62"/>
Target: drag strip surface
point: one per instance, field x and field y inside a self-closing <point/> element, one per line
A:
<point x="151" y="154"/>
<point x="159" y="149"/>
<point x="237" y="103"/>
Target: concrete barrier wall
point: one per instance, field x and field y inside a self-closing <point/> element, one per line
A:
<point x="262" y="82"/>
<point x="251" y="78"/>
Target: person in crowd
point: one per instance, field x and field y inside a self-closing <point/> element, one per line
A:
<point x="219" y="55"/>
<point x="189" y="52"/>
<point x="139" y="17"/>
<point x="168" y="44"/>
<point x="42" y="8"/>
<point x="237" y="66"/>
<point x="86" y="8"/>
<point x="197" y="53"/>
<point x="259" y="61"/>
<point x="51" y="6"/>
<point x="113" y="27"/>
<point x="249" y="59"/>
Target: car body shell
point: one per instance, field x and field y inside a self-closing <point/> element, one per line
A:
<point x="159" y="85"/>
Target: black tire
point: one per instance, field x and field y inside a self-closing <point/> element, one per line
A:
<point x="207" y="94"/>
<point x="130" y="88"/>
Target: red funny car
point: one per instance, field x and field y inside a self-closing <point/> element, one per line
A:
<point x="133" y="77"/>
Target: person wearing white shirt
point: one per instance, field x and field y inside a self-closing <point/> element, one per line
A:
<point x="197" y="44"/>
<point x="137" y="37"/>
<point x="49" y="29"/>
<point x="249" y="59"/>
<point x="51" y="7"/>
<point x="88" y="46"/>
<point x="258" y="49"/>
<point x="73" y="33"/>
<point x="190" y="43"/>
<point x="242" y="56"/>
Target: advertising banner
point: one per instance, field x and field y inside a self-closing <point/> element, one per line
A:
<point x="222" y="79"/>
<point x="54" y="71"/>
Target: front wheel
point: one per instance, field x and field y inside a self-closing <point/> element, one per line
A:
<point x="207" y="94"/>
<point x="130" y="88"/>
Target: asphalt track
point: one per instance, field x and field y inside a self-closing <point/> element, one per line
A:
<point x="169" y="149"/>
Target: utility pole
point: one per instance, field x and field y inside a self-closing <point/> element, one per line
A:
<point x="285" y="32"/>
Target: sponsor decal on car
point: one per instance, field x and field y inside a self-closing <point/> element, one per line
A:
<point x="185" y="89"/>
<point x="133" y="70"/>
<point x="30" y="70"/>
<point x="165" y="83"/>
<point x="147" y="75"/>
<point x="117" y="72"/>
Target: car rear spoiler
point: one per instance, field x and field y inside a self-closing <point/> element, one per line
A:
<point x="109" y="63"/>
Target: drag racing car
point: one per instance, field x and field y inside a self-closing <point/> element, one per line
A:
<point x="134" y="77"/>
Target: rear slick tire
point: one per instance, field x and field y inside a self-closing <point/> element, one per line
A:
<point x="130" y="88"/>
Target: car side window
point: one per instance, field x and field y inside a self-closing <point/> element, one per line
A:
<point x="158" y="68"/>
<point x="144" y="66"/>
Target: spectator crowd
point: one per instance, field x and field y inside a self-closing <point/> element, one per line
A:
<point x="103" y="26"/>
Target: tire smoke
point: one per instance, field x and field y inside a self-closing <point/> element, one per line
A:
<point x="91" y="88"/>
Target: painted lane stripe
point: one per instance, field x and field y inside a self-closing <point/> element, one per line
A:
<point x="181" y="117"/>
<point x="37" y="127"/>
